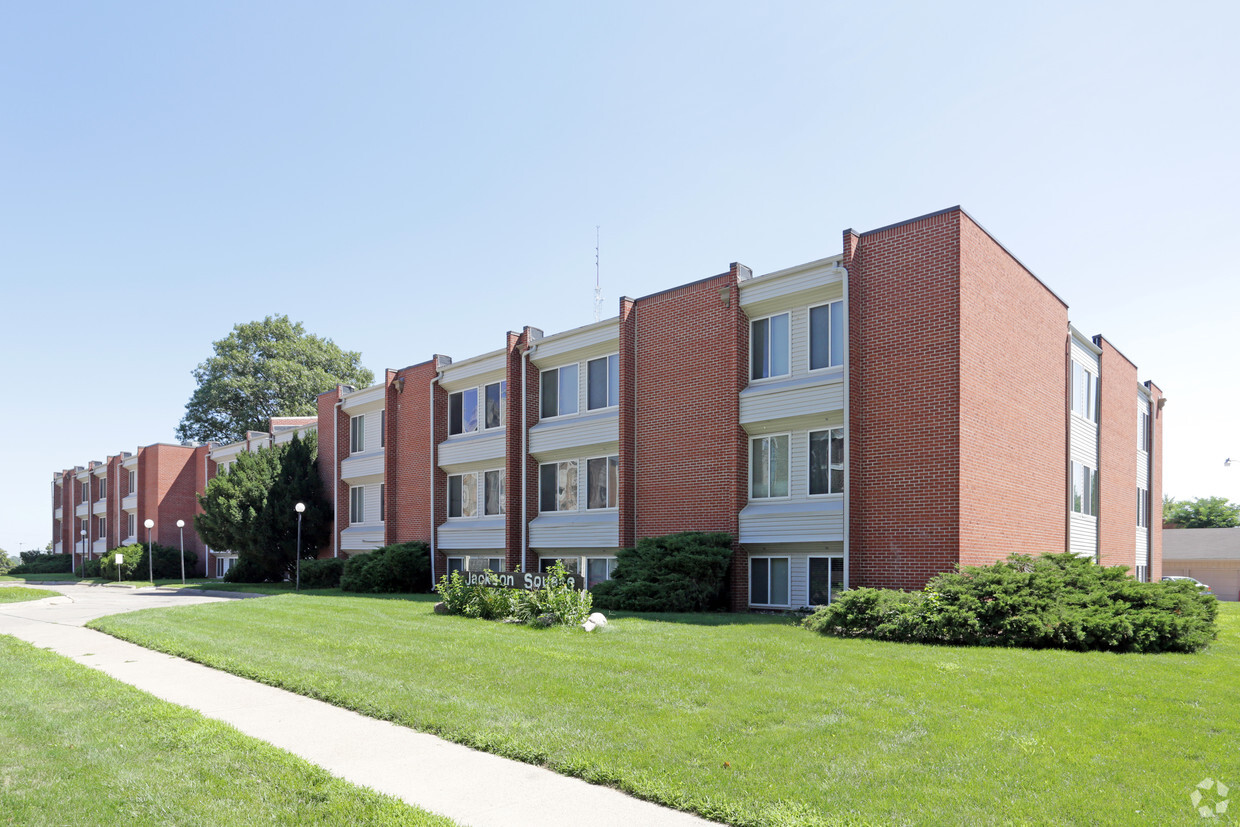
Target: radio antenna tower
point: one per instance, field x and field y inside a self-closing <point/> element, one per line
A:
<point x="598" y="285"/>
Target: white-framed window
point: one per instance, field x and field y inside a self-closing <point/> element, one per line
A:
<point x="1084" y="392"/>
<point x="603" y="382"/>
<point x="357" y="504"/>
<point x="463" y="495"/>
<point x="463" y="412"/>
<point x="103" y="527"/>
<point x="826" y="335"/>
<point x="1143" y="574"/>
<point x="101" y="486"/>
<point x="557" y="486"/>
<point x="495" y="399"/>
<point x="602" y="482"/>
<point x="475" y="564"/>
<point x="557" y="391"/>
<point x="770" y="581"/>
<point x="1143" y="507"/>
<point x="768" y="467"/>
<point x="1143" y="431"/>
<point x="493" y="492"/>
<point x="599" y="569"/>
<point x="1084" y="489"/>
<point x="357" y="434"/>
<point x="86" y="491"/>
<point x="223" y="564"/>
<point x="382" y="502"/>
<point x="131" y="523"/>
<point x="571" y="564"/>
<point x="826" y="579"/>
<point x="383" y="428"/>
<point x="456" y="564"/>
<point x="826" y="461"/>
<point x="133" y="486"/>
<point x="769" y="347"/>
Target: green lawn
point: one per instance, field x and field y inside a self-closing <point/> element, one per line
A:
<point x="752" y="720"/>
<point x="47" y="578"/>
<point x="20" y="594"/>
<point x="77" y="747"/>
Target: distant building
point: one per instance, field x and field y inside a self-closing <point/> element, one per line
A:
<point x="918" y="401"/>
<point x="1211" y="555"/>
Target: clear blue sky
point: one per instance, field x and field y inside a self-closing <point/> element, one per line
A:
<point x="410" y="181"/>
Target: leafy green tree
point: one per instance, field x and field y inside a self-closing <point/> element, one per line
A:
<point x="297" y="480"/>
<point x="6" y="562"/>
<point x="234" y="501"/>
<point x="264" y="369"/>
<point x="1203" y="512"/>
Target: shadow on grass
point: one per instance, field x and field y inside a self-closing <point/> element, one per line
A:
<point x="710" y="618"/>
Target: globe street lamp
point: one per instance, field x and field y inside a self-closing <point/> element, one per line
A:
<point x="181" y="528"/>
<point x="300" y="508"/>
<point x="150" y="552"/>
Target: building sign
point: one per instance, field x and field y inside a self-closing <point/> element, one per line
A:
<point x="518" y="579"/>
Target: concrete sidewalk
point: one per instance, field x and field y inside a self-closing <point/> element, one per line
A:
<point x="473" y="788"/>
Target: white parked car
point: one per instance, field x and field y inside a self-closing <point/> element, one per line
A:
<point x="1200" y="585"/>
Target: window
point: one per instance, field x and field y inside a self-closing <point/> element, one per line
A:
<point x="1084" y="392"/>
<point x="223" y="564"/>
<point x="131" y="525"/>
<point x="768" y="347"/>
<point x="826" y="335"/>
<point x="357" y="434"/>
<point x="599" y="569"/>
<point x="456" y="564"/>
<point x="382" y="502"/>
<point x="101" y="486"/>
<point x="86" y="492"/>
<point x="826" y="461"/>
<point x="768" y="467"/>
<point x="1143" y="575"/>
<point x="463" y="564"/>
<point x="463" y="495"/>
<point x="768" y="581"/>
<point x="1084" y="489"/>
<point x="571" y="564"/>
<point x="496" y="399"/>
<point x="826" y="579"/>
<point x="557" y="486"/>
<point x="357" y="504"/>
<point x="103" y="527"/>
<point x="1143" y="507"/>
<point x="1143" y="431"/>
<point x="601" y="482"/>
<point x="558" y="392"/>
<point x="493" y="493"/>
<point x="463" y="412"/>
<point x="133" y="485"/>
<point x="603" y="382"/>
<point x="383" y="429"/>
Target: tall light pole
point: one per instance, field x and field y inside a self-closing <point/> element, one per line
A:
<point x="300" y="508"/>
<point x="150" y="551"/>
<point x="181" y="528"/>
<point x="83" y="534"/>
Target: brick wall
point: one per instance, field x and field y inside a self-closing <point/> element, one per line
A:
<point x="1117" y="459"/>
<point x="1013" y="405"/>
<point x="407" y="470"/>
<point x="515" y="465"/>
<point x="904" y="400"/>
<point x="688" y="450"/>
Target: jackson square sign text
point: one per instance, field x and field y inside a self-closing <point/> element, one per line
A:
<point x="519" y="579"/>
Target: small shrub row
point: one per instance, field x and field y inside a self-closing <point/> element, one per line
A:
<point x="402" y="567"/>
<point x="556" y="603"/>
<point x="167" y="562"/>
<point x="92" y="568"/>
<point x="43" y="562"/>
<point x="1055" y="601"/>
<point x="322" y="574"/>
<point x="685" y="572"/>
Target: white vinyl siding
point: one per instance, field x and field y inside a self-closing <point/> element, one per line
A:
<point x="799" y="555"/>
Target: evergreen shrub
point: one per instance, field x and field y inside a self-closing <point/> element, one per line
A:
<point x="556" y="603"/>
<point x="403" y="567"/>
<point x="321" y="574"/>
<point x="167" y="562"/>
<point x="685" y="572"/>
<point x="1054" y="601"/>
<point x="43" y="562"/>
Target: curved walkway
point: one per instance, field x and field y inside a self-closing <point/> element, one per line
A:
<point x="470" y="787"/>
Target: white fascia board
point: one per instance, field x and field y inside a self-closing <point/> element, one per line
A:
<point x="1083" y="340"/>
<point x="578" y="343"/>
<point x="476" y="370"/>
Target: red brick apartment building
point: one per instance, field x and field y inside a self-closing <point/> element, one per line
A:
<point x="919" y="401"/>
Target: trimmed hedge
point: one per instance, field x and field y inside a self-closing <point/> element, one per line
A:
<point x="554" y="604"/>
<point x="685" y="572"/>
<point x="322" y="574"/>
<point x="43" y="562"/>
<point x="167" y="562"/>
<point x="403" y="567"/>
<point x="1055" y="601"/>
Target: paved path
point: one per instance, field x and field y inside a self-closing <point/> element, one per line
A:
<point x="472" y="788"/>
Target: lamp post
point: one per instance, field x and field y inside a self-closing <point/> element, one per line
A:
<point x="181" y="528"/>
<point x="150" y="551"/>
<point x="300" y="508"/>
<point x="83" y="534"/>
